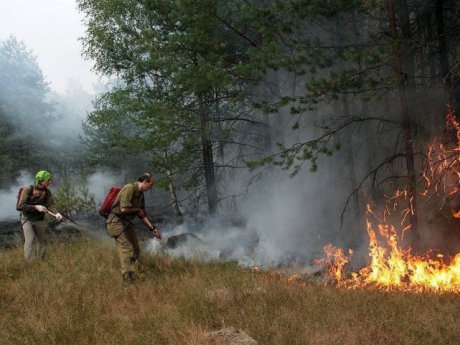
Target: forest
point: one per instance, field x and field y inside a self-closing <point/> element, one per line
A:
<point x="295" y="120"/>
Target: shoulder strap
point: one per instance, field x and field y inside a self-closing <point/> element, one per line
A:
<point x="47" y="194"/>
<point x="31" y="192"/>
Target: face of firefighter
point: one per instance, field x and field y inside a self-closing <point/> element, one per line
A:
<point x="146" y="185"/>
<point x="45" y="183"/>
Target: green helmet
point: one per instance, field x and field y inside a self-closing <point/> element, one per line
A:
<point x="42" y="175"/>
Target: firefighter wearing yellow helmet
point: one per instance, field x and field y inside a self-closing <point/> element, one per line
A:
<point x="34" y="202"/>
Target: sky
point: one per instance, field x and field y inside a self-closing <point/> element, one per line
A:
<point x="51" y="29"/>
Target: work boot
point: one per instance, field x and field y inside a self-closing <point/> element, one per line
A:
<point x="128" y="278"/>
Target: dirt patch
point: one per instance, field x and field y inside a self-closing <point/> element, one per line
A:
<point x="230" y="336"/>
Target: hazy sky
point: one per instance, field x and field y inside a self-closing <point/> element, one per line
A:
<point x="50" y="28"/>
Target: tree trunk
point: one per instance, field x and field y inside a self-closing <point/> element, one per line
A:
<point x="351" y="161"/>
<point x="208" y="160"/>
<point x="443" y="49"/>
<point x="428" y="36"/>
<point x="407" y="138"/>
<point x="172" y="189"/>
<point x="407" y="59"/>
<point x="220" y="131"/>
<point x="173" y="195"/>
<point x="349" y="147"/>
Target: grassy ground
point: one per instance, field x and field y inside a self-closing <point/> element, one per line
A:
<point x="75" y="296"/>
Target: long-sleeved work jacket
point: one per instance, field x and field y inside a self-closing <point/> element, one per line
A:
<point x="32" y="196"/>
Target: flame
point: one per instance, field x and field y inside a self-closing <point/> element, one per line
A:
<point x="336" y="261"/>
<point x="391" y="266"/>
<point x="442" y="166"/>
<point x="293" y="278"/>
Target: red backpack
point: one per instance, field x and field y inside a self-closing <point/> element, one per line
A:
<point x="107" y="205"/>
<point x="31" y="191"/>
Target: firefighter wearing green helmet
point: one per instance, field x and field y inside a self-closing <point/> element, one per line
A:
<point x="34" y="202"/>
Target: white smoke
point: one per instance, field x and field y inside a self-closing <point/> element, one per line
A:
<point x="8" y="198"/>
<point x="291" y="216"/>
<point x="100" y="183"/>
<point x="284" y="220"/>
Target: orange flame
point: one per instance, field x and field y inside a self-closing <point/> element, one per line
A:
<point x="391" y="266"/>
<point x="442" y="171"/>
<point x="336" y="261"/>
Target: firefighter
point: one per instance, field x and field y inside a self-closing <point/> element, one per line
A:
<point x="128" y="204"/>
<point x="34" y="202"/>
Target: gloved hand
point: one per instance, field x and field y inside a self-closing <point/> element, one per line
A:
<point x="41" y="208"/>
<point x="156" y="233"/>
<point x="59" y="217"/>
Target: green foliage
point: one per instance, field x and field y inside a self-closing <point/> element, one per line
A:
<point x="66" y="199"/>
<point x="179" y="64"/>
<point x="86" y="202"/>
<point x="23" y="107"/>
<point x="254" y="164"/>
<point x="71" y="202"/>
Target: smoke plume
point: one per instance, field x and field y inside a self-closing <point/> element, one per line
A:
<point x="8" y="197"/>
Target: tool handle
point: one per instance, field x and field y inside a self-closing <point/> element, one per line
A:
<point x="51" y="213"/>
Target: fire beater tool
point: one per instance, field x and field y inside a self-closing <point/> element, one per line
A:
<point x="63" y="220"/>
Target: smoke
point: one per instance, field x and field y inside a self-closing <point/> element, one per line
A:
<point x="8" y="198"/>
<point x="284" y="220"/>
<point x="211" y="240"/>
<point x="71" y="109"/>
<point x="100" y="183"/>
<point x="289" y="219"/>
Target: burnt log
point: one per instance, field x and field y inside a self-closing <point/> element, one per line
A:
<point x="181" y="239"/>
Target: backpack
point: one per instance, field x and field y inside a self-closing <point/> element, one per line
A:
<point x="31" y="191"/>
<point x="107" y="204"/>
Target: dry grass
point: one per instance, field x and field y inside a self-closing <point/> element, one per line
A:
<point x="75" y="297"/>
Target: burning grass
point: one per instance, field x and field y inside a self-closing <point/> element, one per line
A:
<point x="75" y="297"/>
